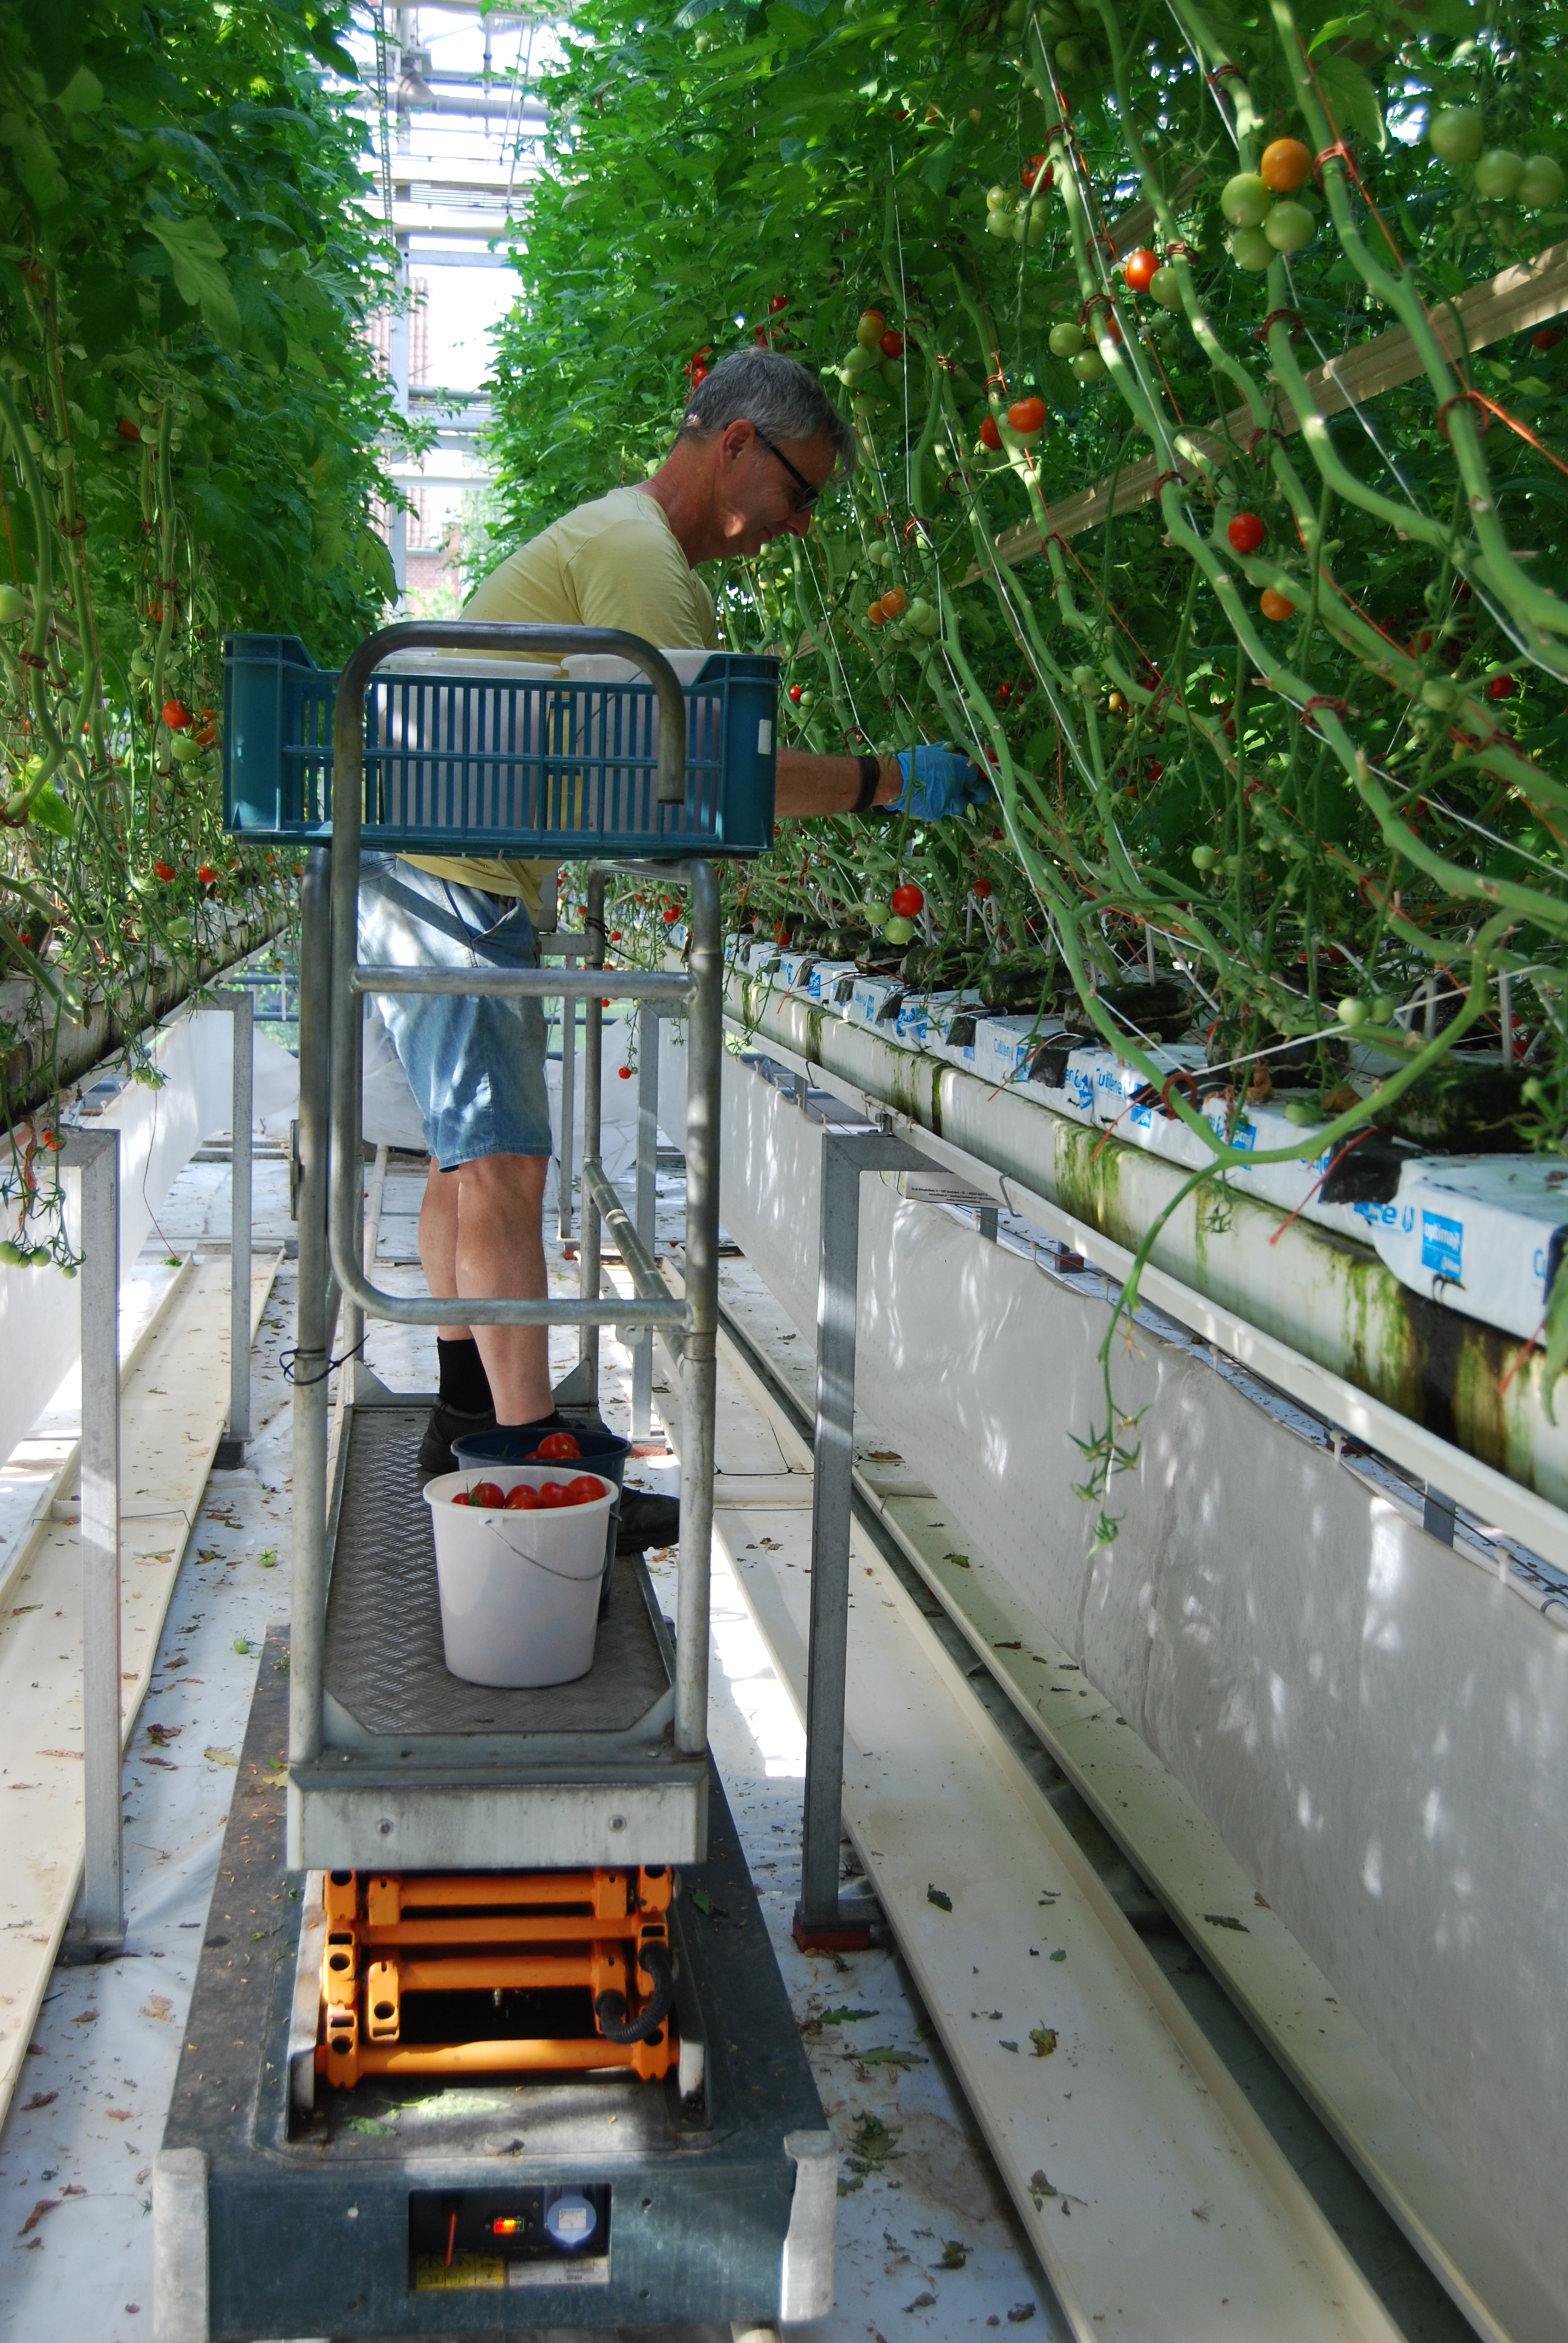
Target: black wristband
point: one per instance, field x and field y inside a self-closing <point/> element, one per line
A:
<point x="871" y="782"/>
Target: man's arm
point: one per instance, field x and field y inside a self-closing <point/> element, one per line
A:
<point x="808" y="784"/>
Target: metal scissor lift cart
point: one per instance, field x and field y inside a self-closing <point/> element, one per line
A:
<point x="505" y="2067"/>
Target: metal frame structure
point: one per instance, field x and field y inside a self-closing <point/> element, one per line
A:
<point x="513" y="1804"/>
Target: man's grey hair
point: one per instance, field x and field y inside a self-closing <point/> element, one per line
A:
<point x="774" y="392"/>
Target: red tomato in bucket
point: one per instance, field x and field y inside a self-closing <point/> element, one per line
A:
<point x="488" y="1493"/>
<point x="557" y="1446"/>
<point x="554" y="1493"/>
<point x="523" y="1499"/>
<point x="585" y="1490"/>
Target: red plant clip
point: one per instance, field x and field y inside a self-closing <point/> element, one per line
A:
<point x="1342" y="151"/>
<point x="1278" y="317"/>
<point x="1159" y="483"/>
<point x="1224" y="72"/>
<point x="1322" y="700"/>
<point x="1465" y="398"/>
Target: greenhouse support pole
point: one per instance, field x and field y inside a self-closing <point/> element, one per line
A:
<point x="646" y="1193"/>
<point x="241" y="1003"/>
<point x="819" y="1923"/>
<point x="99" y="1925"/>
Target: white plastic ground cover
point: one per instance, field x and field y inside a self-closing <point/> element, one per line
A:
<point x="1157" y="2201"/>
<point x="160" y="1129"/>
<point x="1377" y="1731"/>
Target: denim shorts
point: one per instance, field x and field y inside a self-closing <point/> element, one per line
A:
<point x="474" y="1062"/>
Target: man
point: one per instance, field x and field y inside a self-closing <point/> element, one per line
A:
<point x="758" y="444"/>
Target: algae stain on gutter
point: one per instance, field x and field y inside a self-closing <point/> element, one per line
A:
<point x="1461" y="1378"/>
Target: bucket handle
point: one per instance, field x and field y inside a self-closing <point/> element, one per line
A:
<point x="566" y="1577"/>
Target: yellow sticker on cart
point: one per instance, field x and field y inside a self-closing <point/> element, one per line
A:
<point x="433" y="2273"/>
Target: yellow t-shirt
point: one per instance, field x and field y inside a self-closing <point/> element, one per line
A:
<point x="611" y="563"/>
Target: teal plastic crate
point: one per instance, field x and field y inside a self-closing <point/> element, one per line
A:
<point x="465" y="764"/>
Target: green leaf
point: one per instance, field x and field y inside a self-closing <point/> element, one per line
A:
<point x="1352" y="101"/>
<point x="51" y="812"/>
<point x="196" y="251"/>
<point x="694" y="12"/>
<point x="55" y="29"/>
<point x="941" y="1898"/>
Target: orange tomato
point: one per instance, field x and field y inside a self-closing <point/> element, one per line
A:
<point x="1275" y="606"/>
<point x="1286" y="165"/>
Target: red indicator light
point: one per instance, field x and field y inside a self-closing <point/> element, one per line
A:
<point x="505" y="2224"/>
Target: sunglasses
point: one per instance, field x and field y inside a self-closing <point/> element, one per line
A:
<point x="809" y="489"/>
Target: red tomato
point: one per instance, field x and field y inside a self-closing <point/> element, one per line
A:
<point x="876" y="616"/>
<point x="488" y="1493"/>
<point x="176" y="715"/>
<point x="1037" y="169"/>
<point x="127" y="430"/>
<point x="907" y="900"/>
<point x="523" y="1499"/>
<point x="892" y="344"/>
<point x="553" y="1496"/>
<point x="205" y="735"/>
<point x="623" y="1072"/>
<point x="1247" y="532"/>
<point x="980" y="887"/>
<point x="779" y="301"/>
<point x="557" y="1447"/>
<point x="893" y="602"/>
<point x="670" y="913"/>
<point x="164" y="870"/>
<point x="1027" y="416"/>
<point x="585" y="1490"/>
<point x="990" y="436"/>
<point x="795" y="693"/>
<point x="1546" y="339"/>
<point x="1139" y="268"/>
<point x="461" y="1497"/>
<point x="207" y="875"/>
<point x="1501" y="686"/>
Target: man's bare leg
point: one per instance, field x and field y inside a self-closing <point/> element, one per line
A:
<point x="481" y="1232"/>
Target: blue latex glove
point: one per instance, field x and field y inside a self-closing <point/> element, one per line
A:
<point x="939" y="783"/>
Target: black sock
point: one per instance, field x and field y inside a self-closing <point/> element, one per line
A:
<point x="464" y="1384"/>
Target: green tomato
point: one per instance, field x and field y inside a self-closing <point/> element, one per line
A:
<point x="183" y="749"/>
<point x="869" y="331"/>
<point x="13" y="606"/>
<point x="1000" y="200"/>
<point x="922" y="619"/>
<point x="1498" y="174"/>
<point x="1073" y="56"/>
<point x="1304" y="1113"/>
<point x="1249" y="248"/>
<point x="1089" y="367"/>
<point x="1066" y="341"/>
<point x="1290" y="227"/>
<point x="1085" y="678"/>
<point x="1384" y="1006"/>
<point x="1438" y="692"/>
<point x="1541" y="184"/>
<point x="142" y="666"/>
<point x="1203" y="858"/>
<point x="1165" y="286"/>
<point x="1029" y="224"/>
<point x="1245" y="199"/>
<point x="998" y="223"/>
<point x="898" y="931"/>
<point x="1454" y="135"/>
<point x="875" y="914"/>
<point x="861" y="358"/>
<point x="1351" y="1011"/>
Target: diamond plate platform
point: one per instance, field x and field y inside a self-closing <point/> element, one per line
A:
<point x="386" y="1672"/>
<point x="420" y="1771"/>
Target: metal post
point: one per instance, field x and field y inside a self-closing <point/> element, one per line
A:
<point x="1438" y="1514"/>
<point x="647" y="1195"/>
<point x="307" y="1606"/>
<point x="241" y="1004"/>
<point x="100" y="1925"/>
<point x="698" y="1365"/>
<point x="569" y="1113"/>
<point x="593" y="1095"/>
<point x="817" y="1923"/>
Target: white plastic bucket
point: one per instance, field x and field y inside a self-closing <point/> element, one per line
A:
<point x="519" y="1591"/>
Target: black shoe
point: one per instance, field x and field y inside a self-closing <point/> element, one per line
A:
<point x="647" y="1520"/>
<point x="446" y="1425"/>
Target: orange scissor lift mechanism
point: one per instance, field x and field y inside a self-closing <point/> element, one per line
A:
<point x="400" y="1953"/>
